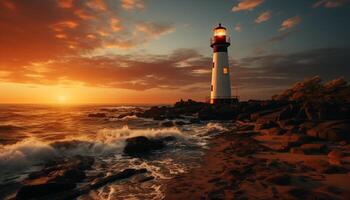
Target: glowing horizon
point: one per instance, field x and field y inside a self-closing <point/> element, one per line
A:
<point x="145" y="52"/>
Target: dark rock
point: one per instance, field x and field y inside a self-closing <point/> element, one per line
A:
<point x="279" y="179"/>
<point x="314" y="148"/>
<point x="145" y="179"/>
<point x="41" y="190"/>
<point x="168" y="124"/>
<point x="331" y="130"/>
<point x="265" y="125"/>
<point x="97" y="115"/>
<point x="180" y="123"/>
<point x="195" y="121"/>
<point x="142" y="145"/>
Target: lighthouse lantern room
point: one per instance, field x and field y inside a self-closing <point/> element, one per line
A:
<point x="220" y="81"/>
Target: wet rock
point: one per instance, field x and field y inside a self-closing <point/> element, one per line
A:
<point x="142" y="145"/>
<point x="180" y="123"/>
<point x="41" y="190"/>
<point x="58" y="175"/>
<point x="168" y="124"/>
<point x="314" y="148"/>
<point x="279" y="179"/>
<point x="97" y="115"/>
<point x="195" y="121"/>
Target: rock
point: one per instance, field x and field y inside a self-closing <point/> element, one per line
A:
<point x="331" y="130"/>
<point x="41" y="190"/>
<point x="265" y="125"/>
<point x="307" y="194"/>
<point x="272" y="131"/>
<point x="127" y="173"/>
<point x="296" y="150"/>
<point x="279" y="179"/>
<point x="218" y="112"/>
<point x="168" y="124"/>
<point x="195" y="121"/>
<point x="97" y="115"/>
<point x="335" y="157"/>
<point x="314" y="148"/>
<point x="142" y="145"/>
<point x="180" y="123"/>
<point x="322" y="166"/>
<point x="145" y="179"/>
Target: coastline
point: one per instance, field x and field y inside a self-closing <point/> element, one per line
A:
<point x="242" y="164"/>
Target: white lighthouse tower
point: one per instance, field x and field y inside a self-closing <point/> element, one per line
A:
<point x="220" y="79"/>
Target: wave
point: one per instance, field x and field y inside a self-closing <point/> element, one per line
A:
<point x="22" y="155"/>
<point x="216" y="127"/>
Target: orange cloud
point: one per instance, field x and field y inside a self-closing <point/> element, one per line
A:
<point x="263" y="17"/>
<point x="289" y="23"/>
<point x="65" y="3"/>
<point x="97" y="5"/>
<point x="330" y="3"/>
<point x="247" y="5"/>
<point x="132" y="4"/>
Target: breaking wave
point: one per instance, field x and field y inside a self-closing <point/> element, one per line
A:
<point x="22" y="155"/>
<point x="216" y="127"/>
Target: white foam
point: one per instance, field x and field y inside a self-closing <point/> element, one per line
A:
<point x="31" y="151"/>
<point x="215" y="126"/>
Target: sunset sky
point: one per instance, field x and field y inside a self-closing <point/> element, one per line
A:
<point x="157" y="51"/>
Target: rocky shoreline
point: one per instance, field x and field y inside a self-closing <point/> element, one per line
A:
<point x="294" y="146"/>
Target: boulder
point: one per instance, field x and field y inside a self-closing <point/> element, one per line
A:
<point x="142" y="145"/>
<point x="331" y="130"/>
<point x="57" y="176"/>
<point x="41" y="190"/>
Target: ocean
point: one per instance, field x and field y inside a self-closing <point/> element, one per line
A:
<point x="31" y="135"/>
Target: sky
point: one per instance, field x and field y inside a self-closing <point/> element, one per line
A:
<point x="157" y="51"/>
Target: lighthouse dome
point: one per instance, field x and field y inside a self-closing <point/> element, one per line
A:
<point x="220" y="31"/>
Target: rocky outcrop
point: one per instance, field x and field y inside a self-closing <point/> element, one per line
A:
<point x="57" y="176"/>
<point x="141" y="145"/>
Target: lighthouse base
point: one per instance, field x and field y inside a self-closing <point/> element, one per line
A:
<point x="232" y="100"/>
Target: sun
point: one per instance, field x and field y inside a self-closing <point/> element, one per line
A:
<point x="62" y="99"/>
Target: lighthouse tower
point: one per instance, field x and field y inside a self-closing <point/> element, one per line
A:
<point x="220" y="79"/>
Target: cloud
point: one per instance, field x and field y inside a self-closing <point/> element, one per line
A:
<point x="263" y="17"/>
<point x="330" y="3"/>
<point x="180" y="68"/>
<point x="132" y="4"/>
<point x="38" y="31"/>
<point x="247" y="5"/>
<point x="238" y="27"/>
<point x="154" y="29"/>
<point x="275" y="72"/>
<point x="264" y="46"/>
<point x="289" y="23"/>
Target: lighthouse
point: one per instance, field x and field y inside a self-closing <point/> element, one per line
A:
<point x="220" y="79"/>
